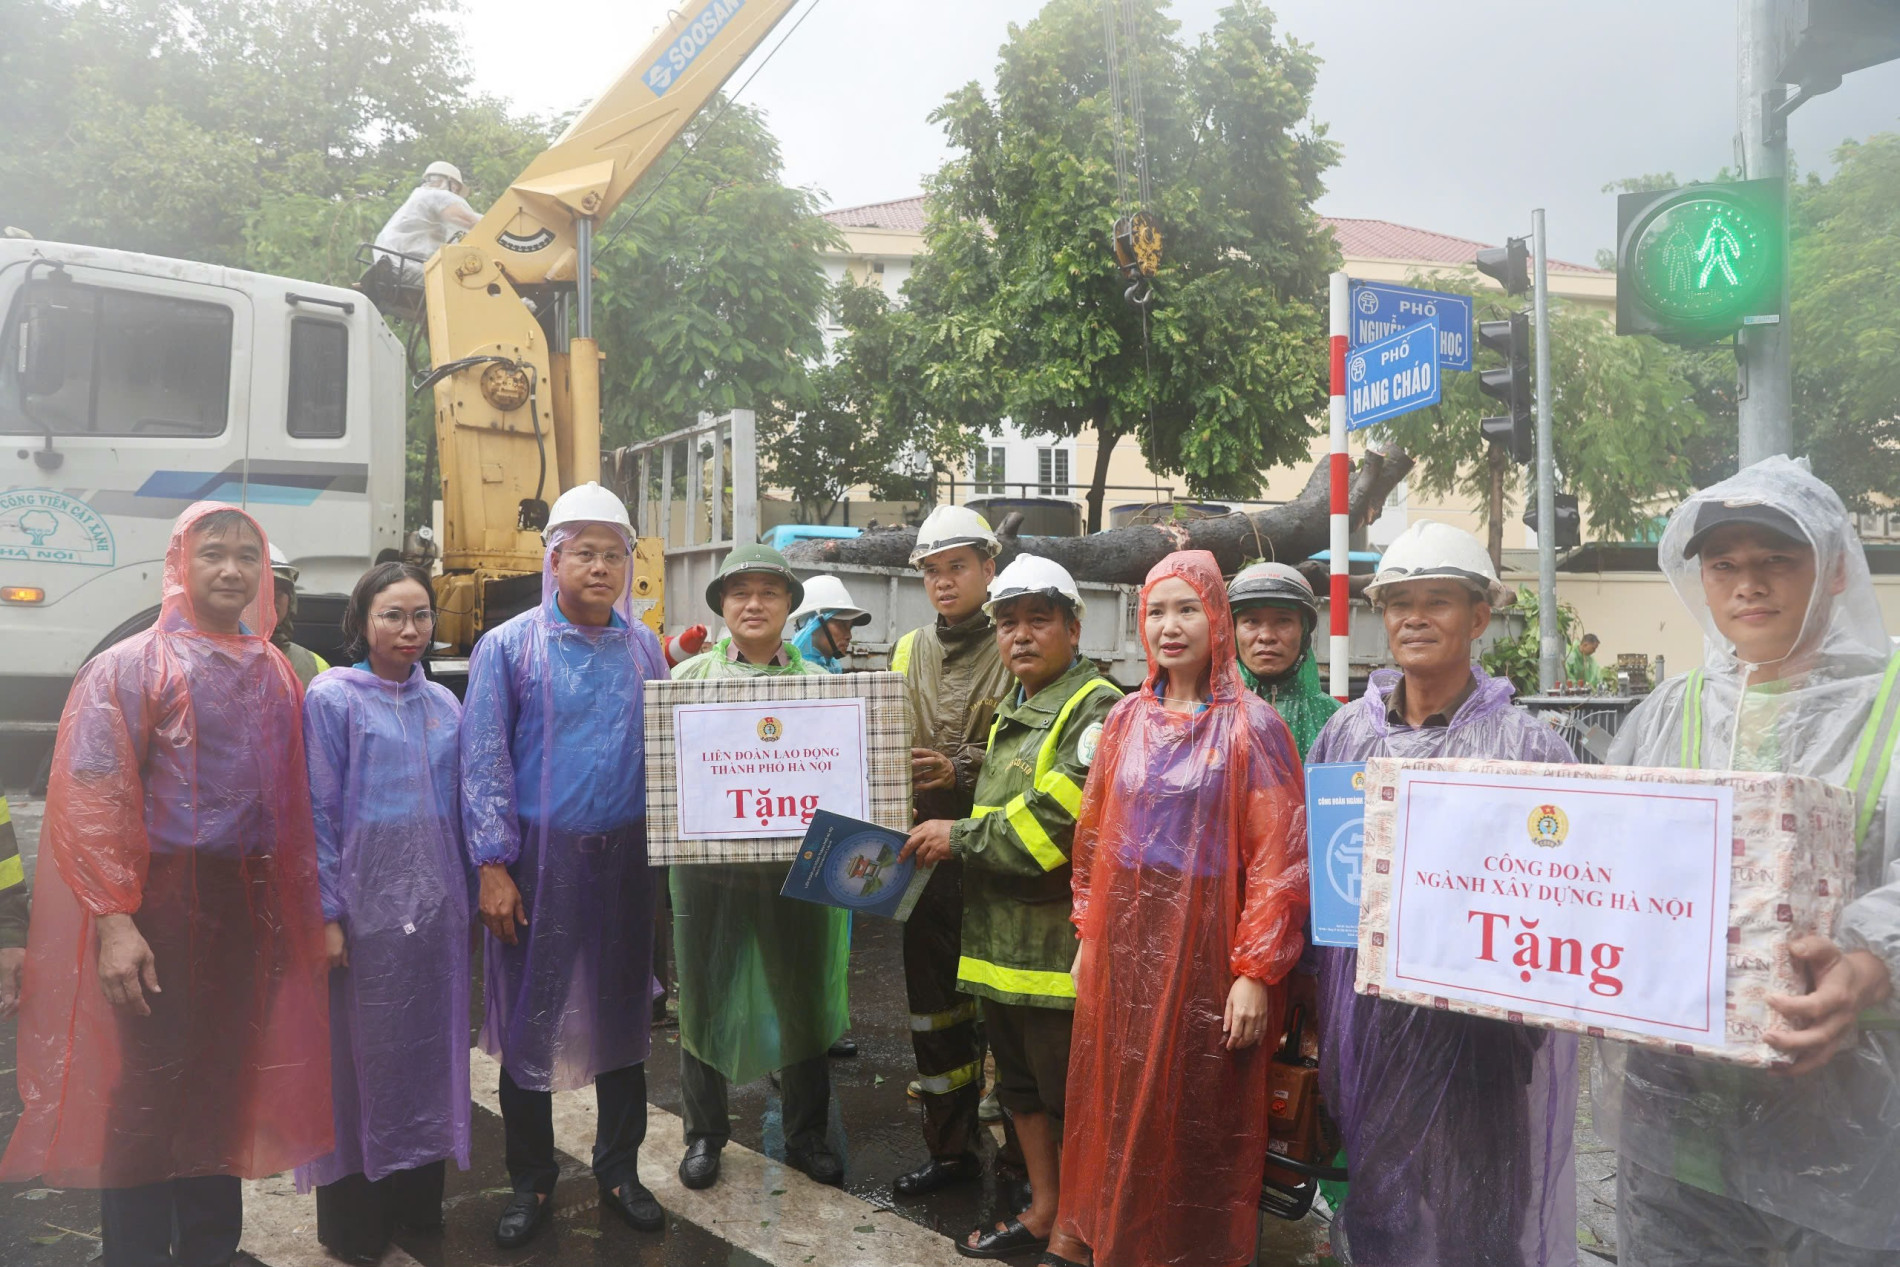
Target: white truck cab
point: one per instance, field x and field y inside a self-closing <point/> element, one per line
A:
<point x="132" y="386"/>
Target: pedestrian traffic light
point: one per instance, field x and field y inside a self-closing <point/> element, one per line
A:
<point x="1569" y="520"/>
<point x="1509" y="265"/>
<point x="1696" y="264"/>
<point x="1514" y="431"/>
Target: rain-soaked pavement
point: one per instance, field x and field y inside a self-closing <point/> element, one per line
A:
<point x="759" y="1213"/>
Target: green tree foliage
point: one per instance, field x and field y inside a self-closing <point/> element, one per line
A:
<point x="711" y="281"/>
<point x="1017" y="308"/>
<point x="165" y="125"/>
<point x="1624" y="417"/>
<point x="855" y="420"/>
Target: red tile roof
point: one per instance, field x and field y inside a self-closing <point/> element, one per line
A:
<point x="905" y="215"/>
<point x="1383" y="240"/>
<point x="1366" y="239"/>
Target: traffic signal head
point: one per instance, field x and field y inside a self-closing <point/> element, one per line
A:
<point x="1569" y="520"/>
<point x="1510" y="384"/>
<point x="1509" y="265"/>
<point x="1694" y="265"/>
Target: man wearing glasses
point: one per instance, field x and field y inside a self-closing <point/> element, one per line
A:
<point x="554" y="810"/>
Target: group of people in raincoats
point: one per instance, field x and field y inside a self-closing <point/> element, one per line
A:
<point x="250" y="952"/>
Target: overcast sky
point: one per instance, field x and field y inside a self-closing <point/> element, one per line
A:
<point x="1455" y="115"/>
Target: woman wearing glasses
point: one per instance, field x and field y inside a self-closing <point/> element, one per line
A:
<point x="381" y="741"/>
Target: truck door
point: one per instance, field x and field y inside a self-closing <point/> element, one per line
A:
<point x="142" y="383"/>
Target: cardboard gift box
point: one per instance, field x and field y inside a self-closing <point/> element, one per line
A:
<point x="1645" y="905"/>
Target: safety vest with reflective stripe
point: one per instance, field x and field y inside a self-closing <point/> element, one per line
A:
<point x="1017" y="941"/>
<point x="901" y="653"/>
<point x="1866" y="779"/>
<point x="13" y="912"/>
<point x="1873" y="755"/>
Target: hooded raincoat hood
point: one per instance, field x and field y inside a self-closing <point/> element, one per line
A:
<point x="178" y="793"/>
<point x="1458" y="1129"/>
<point x="1189" y="871"/>
<point x="553" y="756"/>
<point x="1821" y="1150"/>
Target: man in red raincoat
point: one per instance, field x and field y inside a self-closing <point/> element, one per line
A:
<point x="191" y="1048"/>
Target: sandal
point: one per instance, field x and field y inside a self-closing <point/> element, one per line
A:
<point x="1005" y="1242"/>
<point x="1056" y="1260"/>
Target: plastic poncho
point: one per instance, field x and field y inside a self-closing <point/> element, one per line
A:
<point x="1821" y="1150"/>
<point x="554" y="788"/>
<point x="1189" y="871"/>
<point x="807" y="641"/>
<point x="761" y="977"/>
<point x="421" y="226"/>
<point x="1457" y="1129"/>
<point x="1297" y="696"/>
<point x="1581" y="667"/>
<point x="385" y="793"/>
<point x="178" y="795"/>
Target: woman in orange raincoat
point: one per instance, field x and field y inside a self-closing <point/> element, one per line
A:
<point x="175" y="1033"/>
<point x="1190" y="897"/>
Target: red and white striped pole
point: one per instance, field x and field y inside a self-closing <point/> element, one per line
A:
<point x="1339" y="668"/>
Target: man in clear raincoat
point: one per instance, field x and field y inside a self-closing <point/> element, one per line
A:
<point x="554" y="811"/>
<point x="1457" y="1129"/>
<point x="174" y="1036"/>
<point x="1718" y="1164"/>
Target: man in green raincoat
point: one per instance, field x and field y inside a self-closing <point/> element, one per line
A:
<point x="761" y="977"/>
<point x="1274" y="617"/>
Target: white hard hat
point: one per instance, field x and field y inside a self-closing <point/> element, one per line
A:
<point x="1431" y="549"/>
<point x="1032" y="574"/>
<point x="280" y="566"/>
<point x="951" y="526"/>
<point x="440" y="168"/>
<point x="588" y="503"/>
<point x="828" y="594"/>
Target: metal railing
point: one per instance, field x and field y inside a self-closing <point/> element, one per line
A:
<point x="697" y="490"/>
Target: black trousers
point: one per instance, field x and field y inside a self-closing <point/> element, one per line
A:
<point x="527" y="1119"/>
<point x="804" y="1098"/>
<point x="177" y="1223"/>
<point x="944" y="1035"/>
<point x="356" y="1217"/>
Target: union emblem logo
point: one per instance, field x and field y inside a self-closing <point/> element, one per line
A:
<point x="1548" y="826"/>
<point x="1358" y="780"/>
<point x="771" y="729"/>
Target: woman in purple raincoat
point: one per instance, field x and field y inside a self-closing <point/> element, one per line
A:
<point x="382" y="747"/>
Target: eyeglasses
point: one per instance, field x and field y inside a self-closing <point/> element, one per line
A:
<point x="396" y="619"/>
<point x="587" y="558"/>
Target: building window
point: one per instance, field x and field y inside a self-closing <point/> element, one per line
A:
<point x="986" y="470"/>
<point x="319" y="379"/>
<point x="1052" y="472"/>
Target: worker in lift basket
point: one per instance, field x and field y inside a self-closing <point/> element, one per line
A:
<point x="1800" y="1165"/>
<point x="433" y="213"/>
<point x="1457" y="1129"/>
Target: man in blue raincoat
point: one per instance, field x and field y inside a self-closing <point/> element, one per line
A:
<point x="554" y="809"/>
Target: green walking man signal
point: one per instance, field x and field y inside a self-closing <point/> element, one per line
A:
<point x="1694" y="265"/>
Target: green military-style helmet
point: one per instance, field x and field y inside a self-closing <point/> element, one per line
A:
<point x="753" y="558"/>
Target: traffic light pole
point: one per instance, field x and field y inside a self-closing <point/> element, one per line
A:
<point x="1765" y="405"/>
<point x="1550" y="651"/>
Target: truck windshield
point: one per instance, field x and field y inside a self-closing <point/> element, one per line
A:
<point x="92" y="360"/>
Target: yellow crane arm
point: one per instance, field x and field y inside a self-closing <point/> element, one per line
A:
<point x="518" y="420"/>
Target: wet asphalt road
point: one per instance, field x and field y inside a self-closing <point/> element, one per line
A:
<point x="874" y="1126"/>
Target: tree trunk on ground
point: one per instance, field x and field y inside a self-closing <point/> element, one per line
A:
<point x="1494" y="514"/>
<point x="1289" y="533"/>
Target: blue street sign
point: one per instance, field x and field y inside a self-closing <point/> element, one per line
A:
<point x="1335" y="845"/>
<point x="1381" y="310"/>
<point x="1392" y="377"/>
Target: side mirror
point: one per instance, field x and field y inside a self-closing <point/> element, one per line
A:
<point x="42" y="365"/>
